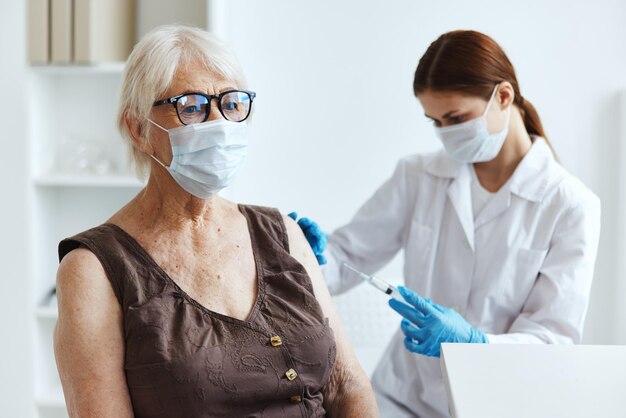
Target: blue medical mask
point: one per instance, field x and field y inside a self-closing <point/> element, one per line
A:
<point x="206" y="156"/>
<point x="471" y="142"/>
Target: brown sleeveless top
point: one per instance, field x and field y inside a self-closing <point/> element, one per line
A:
<point x="183" y="360"/>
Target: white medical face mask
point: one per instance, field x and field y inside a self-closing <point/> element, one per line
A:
<point x="206" y="156"/>
<point x="471" y="142"/>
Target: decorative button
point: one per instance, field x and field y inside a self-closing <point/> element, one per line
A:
<point x="296" y="399"/>
<point x="276" y="341"/>
<point x="291" y="374"/>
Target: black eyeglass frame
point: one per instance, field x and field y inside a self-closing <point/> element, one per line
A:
<point x="174" y="100"/>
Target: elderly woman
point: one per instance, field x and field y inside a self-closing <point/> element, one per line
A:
<point x="184" y="304"/>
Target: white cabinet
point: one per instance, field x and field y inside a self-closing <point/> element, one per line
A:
<point x="534" y="380"/>
<point x="80" y="175"/>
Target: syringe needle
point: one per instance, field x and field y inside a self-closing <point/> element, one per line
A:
<point x="379" y="284"/>
<point x="361" y="274"/>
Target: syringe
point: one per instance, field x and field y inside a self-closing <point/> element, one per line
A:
<point x="379" y="284"/>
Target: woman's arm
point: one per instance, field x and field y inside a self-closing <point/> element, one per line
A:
<point x="386" y="216"/>
<point x="89" y="340"/>
<point x="349" y="392"/>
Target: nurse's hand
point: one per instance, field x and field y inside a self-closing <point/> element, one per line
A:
<point x="426" y="325"/>
<point x="314" y="235"/>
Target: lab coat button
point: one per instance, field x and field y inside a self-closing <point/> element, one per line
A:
<point x="296" y="399"/>
<point x="276" y="341"/>
<point x="291" y="374"/>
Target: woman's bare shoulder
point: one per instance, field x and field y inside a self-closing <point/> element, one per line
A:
<point x="79" y="265"/>
<point x="81" y="279"/>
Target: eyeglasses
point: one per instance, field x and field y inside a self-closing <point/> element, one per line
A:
<point x="234" y="105"/>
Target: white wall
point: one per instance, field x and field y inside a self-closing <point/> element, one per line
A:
<point x="16" y="308"/>
<point x="335" y="109"/>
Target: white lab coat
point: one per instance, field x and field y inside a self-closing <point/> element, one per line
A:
<point x="521" y="272"/>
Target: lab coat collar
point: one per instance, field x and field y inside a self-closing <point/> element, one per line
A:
<point x="535" y="172"/>
<point x="531" y="178"/>
<point x="530" y="181"/>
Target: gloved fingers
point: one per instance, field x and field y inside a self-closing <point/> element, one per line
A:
<point x="421" y="304"/>
<point x="413" y="332"/>
<point x="316" y="237"/>
<point x="317" y="234"/>
<point x="408" y="329"/>
<point x="309" y="227"/>
<point x="438" y="307"/>
<point x="413" y="346"/>
<point x="421" y="335"/>
<point x="312" y="228"/>
<point x="305" y="223"/>
<point x="320" y="246"/>
<point x="315" y="246"/>
<point x="323" y="238"/>
<point x="423" y="348"/>
<point x="407" y="312"/>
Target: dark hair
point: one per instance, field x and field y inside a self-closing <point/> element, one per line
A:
<point x="471" y="62"/>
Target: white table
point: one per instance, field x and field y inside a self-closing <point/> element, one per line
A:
<point x="534" y="381"/>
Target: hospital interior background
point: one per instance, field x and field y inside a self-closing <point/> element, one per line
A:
<point x="334" y="112"/>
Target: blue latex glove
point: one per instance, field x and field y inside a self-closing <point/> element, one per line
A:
<point x="426" y="325"/>
<point x="314" y="235"/>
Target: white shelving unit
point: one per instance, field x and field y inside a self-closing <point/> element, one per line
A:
<point x="76" y="69"/>
<point x="90" y="181"/>
<point x="80" y="176"/>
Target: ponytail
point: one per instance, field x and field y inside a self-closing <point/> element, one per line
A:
<point x="532" y="122"/>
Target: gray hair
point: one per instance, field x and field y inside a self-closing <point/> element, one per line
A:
<point x="150" y="70"/>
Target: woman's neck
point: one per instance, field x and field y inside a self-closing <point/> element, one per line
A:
<point x="162" y="201"/>
<point x="493" y="174"/>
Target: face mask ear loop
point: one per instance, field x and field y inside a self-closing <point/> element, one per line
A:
<point x="495" y="90"/>
<point x="156" y="124"/>
<point x="152" y="156"/>
<point x="158" y="161"/>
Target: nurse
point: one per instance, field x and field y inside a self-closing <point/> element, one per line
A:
<point x="499" y="239"/>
